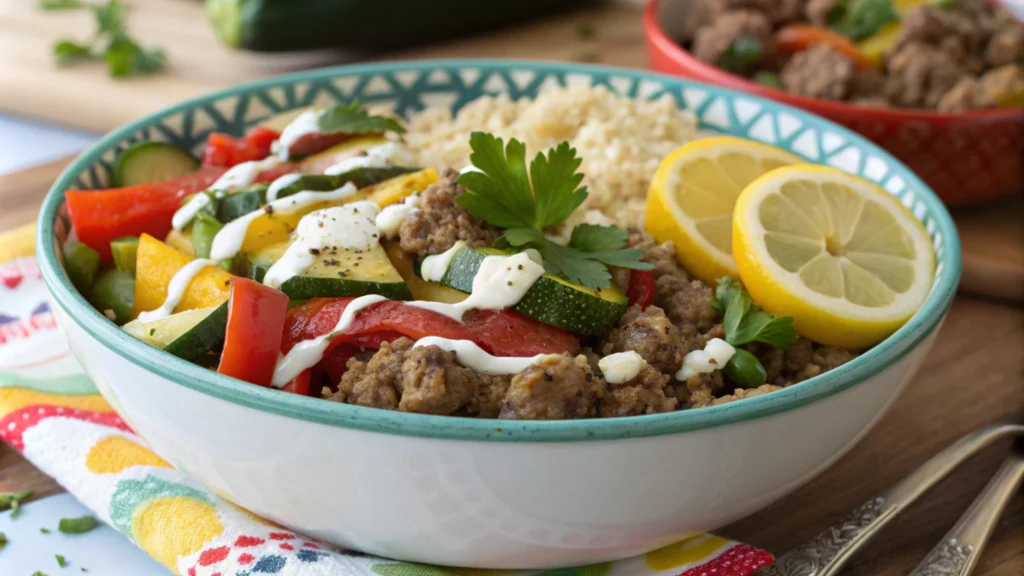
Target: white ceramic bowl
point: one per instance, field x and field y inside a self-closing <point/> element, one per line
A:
<point x="491" y="493"/>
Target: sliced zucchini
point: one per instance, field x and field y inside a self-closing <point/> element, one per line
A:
<point x="148" y="162"/>
<point x="242" y="202"/>
<point x="360" y="177"/>
<point x="550" y="300"/>
<point x="333" y="275"/>
<point x="188" y="335"/>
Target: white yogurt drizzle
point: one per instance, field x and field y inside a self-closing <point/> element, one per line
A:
<point x="472" y="356"/>
<point x="176" y="289"/>
<point x="348" y="227"/>
<point x="279" y="184"/>
<point x="304" y="124"/>
<point x="390" y="219"/>
<point x="621" y="366"/>
<point x="237" y="176"/>
<point x="307" y="353"/>
<point x="715" y="355"/>
<point x="500" y="282"/>
<point x="228" y="242"/>
<point x="433" y="267"/>
<point x="376" y="157"/>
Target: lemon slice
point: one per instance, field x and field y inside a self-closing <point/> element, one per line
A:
<point x="691" y="198"/>
<point x="840" y="255"/>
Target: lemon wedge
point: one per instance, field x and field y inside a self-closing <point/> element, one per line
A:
<point x="691" y="199"/>
<point x="840" y="255"/>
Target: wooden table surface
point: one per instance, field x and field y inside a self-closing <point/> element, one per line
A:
<point x="974" y="375"/>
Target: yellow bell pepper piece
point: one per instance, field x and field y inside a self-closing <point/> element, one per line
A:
<point x="275" y="228"/>
<point x="181" y="241"/>
<point x="155" y="266"/>
<point x="905" y="6"/>
<point x="874" y="47"/>
<point x="420" y="288"/>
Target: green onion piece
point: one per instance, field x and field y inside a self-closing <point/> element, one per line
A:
<point x="77" y="525"/>
<point x="38" y="573"/>
<point x="15" y="509"/>
<point x="61" y="561"/>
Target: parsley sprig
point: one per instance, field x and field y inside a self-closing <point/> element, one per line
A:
<point x="353" y="119"/>
<point x="111" y="42"/>
<point x="744" y="321"/>
<point x="504" y="194"/>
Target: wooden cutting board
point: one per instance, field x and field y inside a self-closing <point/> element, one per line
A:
<point x="84" y="96"/>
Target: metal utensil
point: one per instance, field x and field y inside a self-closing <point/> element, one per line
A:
<point x="959" y="550"/>
<point x="828" y="552"/>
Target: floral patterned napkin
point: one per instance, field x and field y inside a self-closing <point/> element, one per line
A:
<point x="52" y="414"/>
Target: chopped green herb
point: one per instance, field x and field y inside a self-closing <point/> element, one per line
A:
<point x="61" y="561"/>
<point x="505" y="195"/>
<point x="152" y="331"/>
<point x="84" y="569"/>
<point x="3" y="540"/>
<point x="44" y="530"/>
<point x="585" y="31"/>
<point x="742" y="55"/>
<point x="110" y="42"/>
<point x="353" y="119"/>
<point x="769" y="79"/>
<point x="77" y="525"/>
<point x="37" y="573"/>
<point x="12" y="501"/>
<point x="745" y="322"/>
<point x="858" y="19"/>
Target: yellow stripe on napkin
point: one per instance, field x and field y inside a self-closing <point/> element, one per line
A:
<point x="18" y="242"/>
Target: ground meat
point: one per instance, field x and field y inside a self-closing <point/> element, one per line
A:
<point x="376" y="382"/>
<point x="442" y="221"/>
<point x="931" y="25"/>
<point x="1006" y="46"/>
<point x="819" y="72"/>
<point x="698" y="391"/>
<point x="711" y="41"/>
<point x="741" y="393"/>
<point x="555" y="388"/>
<point x="650" y="334"/>
<point x="644" y="394"/>
<point x="806" y="360"/>
<point x="920" y="75"/>
<point x="687" y="304"/>
<point x="702" y="13"/>
<point x="967" y="94"/>
<point x="663" y="255"/>
<point x="817" y="11"/>
<point x="1004" y="85"/>
<point x="433" y="382"/>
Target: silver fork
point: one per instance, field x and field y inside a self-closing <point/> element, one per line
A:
<point x="828" y="552"/>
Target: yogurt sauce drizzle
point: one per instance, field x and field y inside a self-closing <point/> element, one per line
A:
<point x="279" y="183"/>
<point x="390" y="219"/>
<point x="237" y="176"/>
<point x="500" y="282"/>
<point x="176" y="289"/>
<point x="433" y="267"/>
<point x="305" y="123"/>
<point x="621" y="367"/>
<point x="228" y="242"/>
<point x="376" y="157"/>
<point x="472" y="356"/>
<point x="348" y="227"/>
<point x="307" y="353"/>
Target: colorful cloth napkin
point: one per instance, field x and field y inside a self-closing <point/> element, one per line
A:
<point x="52" y="414"/>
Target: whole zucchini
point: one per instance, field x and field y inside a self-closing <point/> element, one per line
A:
<point x="285" y="25"/>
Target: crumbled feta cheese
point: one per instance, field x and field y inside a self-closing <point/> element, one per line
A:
<point x="715" y="355"/>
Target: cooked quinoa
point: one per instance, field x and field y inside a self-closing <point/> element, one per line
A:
<point x="622" y="141"/>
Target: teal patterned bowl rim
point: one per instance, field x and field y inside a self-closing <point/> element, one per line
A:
<point x="411" y="85"/>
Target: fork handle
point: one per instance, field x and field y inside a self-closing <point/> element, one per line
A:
<point x="828" y="552"/>
<point x="960" y="548"/>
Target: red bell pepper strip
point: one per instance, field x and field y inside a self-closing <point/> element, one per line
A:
<point x="276" y="172"/>
<point x="256" y="316"/>
<point x="225" y="150"/>
<point x="100" y="216"/>
<point x="300" y="384"/>
<point x="509" y="333"/>
<point x="641" y="288"/>
<point x="335" y="362"/>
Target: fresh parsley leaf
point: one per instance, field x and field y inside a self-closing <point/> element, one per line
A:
<point x="44" y="530"/>
<point x="12" y="501"/>
<point x="570" y="264"/>
<point x="595" y="238"/>
<point x="745" y="322"/>
<point x="522" y="236"/>
<point x="498" y="192"/>
<point x="110" y="18"/>
<point x="727" y="286"/>
<point x="353" y="119"/>
<point x="556" y="185"/>
<point x="59" y="4"/>
<point x="859" y="19"/>
<point x="67" y="52"/>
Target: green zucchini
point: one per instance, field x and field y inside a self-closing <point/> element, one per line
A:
<point x="286" y="25"/>
<point x="123" y="249"/>
<point x="148" y="162"/>
<point x="114" y="290"/>
<point x="345" y="273"/>
<point x="550" y="300"/>
<point x="189" y="335"/>
<point x="360" y="177"/>
<point x="242" y="202"/>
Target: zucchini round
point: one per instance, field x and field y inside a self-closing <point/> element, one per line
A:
<point x="148" y="162"/>
<point x="189" y="335"/>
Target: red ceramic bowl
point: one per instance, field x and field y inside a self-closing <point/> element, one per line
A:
<point x="965" y="157"/>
